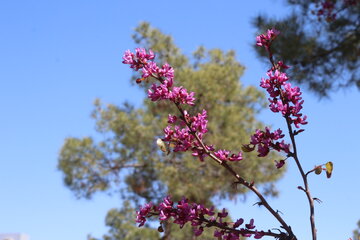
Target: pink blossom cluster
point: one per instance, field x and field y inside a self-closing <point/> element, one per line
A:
<point x="265" y="40"/>
<point x="225" y="155"/>
<point x="142" y="60"/>
<point x="266" y="140"/>
<point x="199" y="217"/>
<point x="144" y="212"/>
<point x="138" y="60"/>
<point x="284" y="98"/>
<point x="178" y="95"/>
<point x="182" y="138"/>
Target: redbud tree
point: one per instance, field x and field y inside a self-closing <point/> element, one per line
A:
<point x="185" y="133"/>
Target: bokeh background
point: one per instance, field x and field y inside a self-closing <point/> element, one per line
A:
<point x="56" y="57"/>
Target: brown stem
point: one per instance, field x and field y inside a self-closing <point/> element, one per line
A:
<point x="304" y="177"/>
<point x="210" y="223"/>
<point x="239" y="179"/>
<point x="221" y="226"/>
<point x="167" y="231"/>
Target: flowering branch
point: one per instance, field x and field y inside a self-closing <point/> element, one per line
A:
<point x="201" y="217"/>
<point x="189" y="133"/>
<point x="185" y="133"/>
<point x="286" y="100"/>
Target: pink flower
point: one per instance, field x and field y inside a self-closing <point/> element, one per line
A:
<point x="284" y="98"/>
<point x="250" y="225"/>
<point x="167" y="72"/>
<point x="160" y="92"/>
<point x="143" y="213"/>
<point x="265" y="40"/>
<point x="128" y="57"/>
<point x="238" y="223"/>
<point x="199" y="123"/>
<point x="172" y="118"/>
<point x="235" y="157"/>
<point x="180" y="95"/>
<point x="149" y="69"/>
<point x="139" y="59"/>
<point x="199" y="217"/>
<point x="200" y="152"/>
<point x="222" y="154"/>
<point x="182" y="138"/>
<point x="223" y="213"/>
<point x="279" y="164"/>
<point x="266" y="140"/>
<point x="142" y="56"/>
<point x="281" y="65"/>
<point x="165" y="91"/>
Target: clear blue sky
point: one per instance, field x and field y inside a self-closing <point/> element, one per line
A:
<point x="56" y="57"/>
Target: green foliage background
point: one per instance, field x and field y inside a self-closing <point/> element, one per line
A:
<point x="357" y="232"/>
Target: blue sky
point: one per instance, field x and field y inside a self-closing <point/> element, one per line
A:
<point x="56" y="57"/>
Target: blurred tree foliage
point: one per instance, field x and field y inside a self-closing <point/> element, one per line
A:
<point x="323" y="51"/>
<point x="128" y="160"/>
<point x="357" y="232"/>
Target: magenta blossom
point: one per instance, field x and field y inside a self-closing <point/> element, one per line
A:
<point x="199" y="217"/>
<point x="266" y="140"/>
<point x="182" y="138"/>
<point x="143" y="213"/>
<point x="180" y="95"/>
<point x="139" y="59"/>
<point x="279" y="164"/>
<point x="165" y="91"/>
<point x="225" y="155"/>
<point x="284" y="98"/>
<point x="265" y="40"/>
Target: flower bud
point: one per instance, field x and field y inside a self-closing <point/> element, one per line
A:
<point x="318" y="170"/>
<point x="160" y="229"/>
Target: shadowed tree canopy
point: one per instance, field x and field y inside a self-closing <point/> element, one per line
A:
<point x="128" y="161"/>
<point x="320" y="40"/>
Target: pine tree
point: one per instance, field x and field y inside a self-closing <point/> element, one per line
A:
<point x="320" y="40"/>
